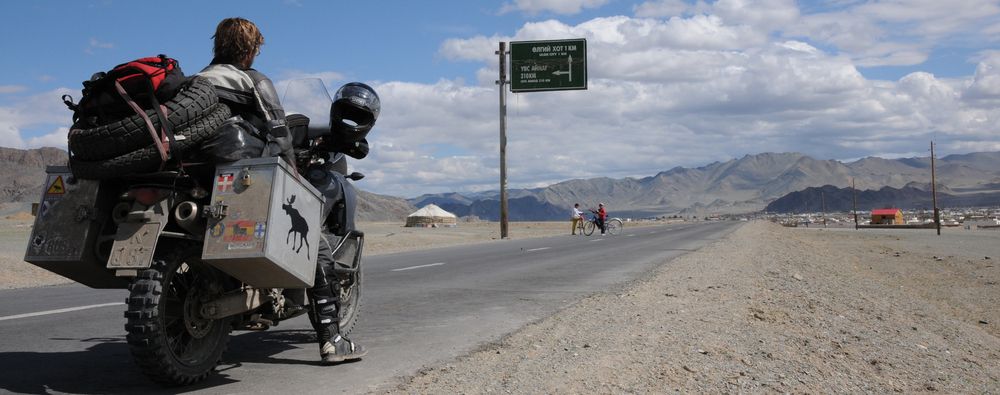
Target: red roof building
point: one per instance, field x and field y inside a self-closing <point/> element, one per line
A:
<point x="887" y="216"/>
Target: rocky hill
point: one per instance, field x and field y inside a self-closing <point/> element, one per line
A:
<point x="24" y="174"/>
<point x="813" y="200"/>
<point x="382" y="208"/>
<point x="740" y="185"/>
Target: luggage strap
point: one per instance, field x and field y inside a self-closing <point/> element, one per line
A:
<point x="165" y="134"/>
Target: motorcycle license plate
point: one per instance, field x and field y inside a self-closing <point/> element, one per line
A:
<point x="135" y="251"/>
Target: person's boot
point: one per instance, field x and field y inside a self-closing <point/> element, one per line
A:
<point x="337" y="348"/>
<point x="333" y="347"/>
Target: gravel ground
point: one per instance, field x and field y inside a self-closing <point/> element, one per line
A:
<point x="14" y="272"/>
<point x="770" y="309"/>
<point x="380" y="238"/>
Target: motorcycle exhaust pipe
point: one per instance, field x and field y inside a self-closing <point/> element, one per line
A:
<point x="119" y="214"/>
<point x="188" y="216"/>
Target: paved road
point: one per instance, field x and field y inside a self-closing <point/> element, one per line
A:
<point x="421" y="308"/>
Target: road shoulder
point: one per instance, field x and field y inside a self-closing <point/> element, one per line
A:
<point x="768" y="308"/>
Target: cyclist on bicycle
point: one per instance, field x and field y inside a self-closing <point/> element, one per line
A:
<point x="601" y="216"/>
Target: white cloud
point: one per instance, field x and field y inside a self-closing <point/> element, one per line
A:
<point x="899" y="32"/>
<point x="974" y="146"/>
<point x="660" y="8"/>
<point x="39" y="111"/>
<point x="711" y="82"/>
<point x="93" y="45"/>
<point x="474" y="48"/>
<point x="985" y="85"/>
<point x="326" y="76"/>
<point x="55" y="139"/>
<point x="763" y="14"/>
<point x="10" y="135"/>
<point x="8" y="89"/>
<point x="565" y="7"/>
<point x="683" y="91"/>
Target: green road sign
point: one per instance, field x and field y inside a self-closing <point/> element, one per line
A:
<point x="549" y="65"/>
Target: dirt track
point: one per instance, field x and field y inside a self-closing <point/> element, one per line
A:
<point x="769" y="309"/>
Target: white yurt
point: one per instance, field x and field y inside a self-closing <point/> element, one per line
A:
<point x="431" y="216"/>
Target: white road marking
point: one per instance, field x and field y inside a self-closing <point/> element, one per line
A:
<point x="538" y="249"/>
<point x="596" y="240"/>
<point x="418" y="266"/>
<point x="57" y="311"/>
<point x="629" y="235"/>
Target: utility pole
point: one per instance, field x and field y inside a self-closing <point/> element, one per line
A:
<point x="822" y="197"/>
<point x="503" y="138"/>
<point x="854" y="197"/>
<point x="937" y="216"/>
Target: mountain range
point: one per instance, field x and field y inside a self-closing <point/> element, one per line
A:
<point x="24" y="174"/>
<point x="829" y="198"/>
<point x="741" y="185"/>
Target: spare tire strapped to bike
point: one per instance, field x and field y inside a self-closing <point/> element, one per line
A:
<point x="147" y="159"/>
<point x="131" y="133"/>
<point x="108" y="95"/>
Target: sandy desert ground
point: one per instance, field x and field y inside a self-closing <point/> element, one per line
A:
<point x="380" y="238"/>
<point x="768" y="309"/>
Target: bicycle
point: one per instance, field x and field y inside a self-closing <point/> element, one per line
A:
<point x="612" y="226"/>
<point x="579" y="225"/>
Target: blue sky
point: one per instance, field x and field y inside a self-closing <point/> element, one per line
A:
<point x="672" y="83"/>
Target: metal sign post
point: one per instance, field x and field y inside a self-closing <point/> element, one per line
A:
<point x="536" y="66"/>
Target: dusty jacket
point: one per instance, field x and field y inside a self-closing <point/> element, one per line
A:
<point x="250" y="94"/>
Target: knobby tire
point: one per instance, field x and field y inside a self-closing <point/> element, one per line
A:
<point x="172" y="344"/>
<point x="120" y="137"/>
<point x="147" y="159"/>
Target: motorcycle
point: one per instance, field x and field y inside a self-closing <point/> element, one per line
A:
<point x="202" y="250"/>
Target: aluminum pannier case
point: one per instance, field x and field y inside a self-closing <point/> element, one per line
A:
<point x="68" y="220"/>
<point x="264" y="224"/>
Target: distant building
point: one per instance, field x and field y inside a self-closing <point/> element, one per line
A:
<point x="981" y="223"/>
<point x="431" y="216"/>
<point x="887" y="216"/>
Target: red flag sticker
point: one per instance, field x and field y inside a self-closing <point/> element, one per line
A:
<point x="224" y="183"/>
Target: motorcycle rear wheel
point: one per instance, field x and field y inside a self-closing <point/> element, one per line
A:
<point x="169" y="340"/>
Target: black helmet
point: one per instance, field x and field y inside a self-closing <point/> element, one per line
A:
<point x="354" y="111"/>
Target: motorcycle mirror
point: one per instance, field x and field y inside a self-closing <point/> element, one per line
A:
<point x="356" y="176"/>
